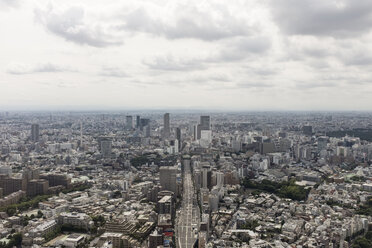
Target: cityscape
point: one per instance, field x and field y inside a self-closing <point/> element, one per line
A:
<point x="151" y="179"/>
<point x="186" y="124"/>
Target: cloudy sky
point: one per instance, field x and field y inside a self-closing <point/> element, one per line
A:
<point x="224" y="55"/>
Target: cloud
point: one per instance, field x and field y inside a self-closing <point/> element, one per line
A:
<point x="232" y="51"/>
<point x="359" y="59"/>
<point x="255" y="85"/>
<point x="208" y="23"/>
<point x="113" y="72"/>
<point x="341" y="18"/>
<point x="308" y="85"/>
<point x="170" y="63"/>
<point x="71" y="25"/>
<point x="20" y="69"/>
<point x="242" y="48"/>
<point x="4" y="4"/>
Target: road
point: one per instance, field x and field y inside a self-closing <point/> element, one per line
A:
<point x="189" y="215"/>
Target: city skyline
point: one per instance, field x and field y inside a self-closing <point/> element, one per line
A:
<point x="244" y="55"/>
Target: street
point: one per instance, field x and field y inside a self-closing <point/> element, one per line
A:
<point x="188" y="216"/>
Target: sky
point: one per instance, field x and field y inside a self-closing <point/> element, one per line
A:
<point x="186" y="54"/>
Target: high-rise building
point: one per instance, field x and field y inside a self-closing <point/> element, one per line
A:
<point x="205" y="138"/>
<point x="168" y="178"/>
<point x="219" y="179"/>
<point x="129" y="122"/>
<point x="144" y="123"/>
<point x="307" y="130"/>
<point x="105" y="144"/>
<point x="205" y="122"/>
<point x="166" y="130"/>
<point x="148" y="131"/>
<point x="138" y="121"/>
<point x="178" y="137"/>
<point x="206" y="175"/>
<point x="322" y="143"/>
<point x="35" y="132"/>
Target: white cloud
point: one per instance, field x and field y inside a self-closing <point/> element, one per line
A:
<point x="20" y="69"/>
<point x="285" y="53"/>
<point x="71" y="24"/>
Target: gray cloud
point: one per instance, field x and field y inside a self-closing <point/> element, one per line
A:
<point x="170" y="63"/>
<point x="242" y="48"/>
<point x="113" y="72"/>
<point x="255" y="85"/>
<point x="20" y="69"/>
<point x="70" y="25"/>
<point x="189" y="22"/>
<point x="313" y="85"/>
<point x="326" y="18"/>
<point x="232" y="51"/>
<point x="361" y="59"/>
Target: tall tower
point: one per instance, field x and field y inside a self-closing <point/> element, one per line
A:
<point x="166" y="126"/>
<point x="81" y="134"/>
<point x="138" y="121"/>
<point x="129" y="122"/>
<point x="205" y="122"/>
<point x="35" y="132"/>
<point x="178" y="137"/>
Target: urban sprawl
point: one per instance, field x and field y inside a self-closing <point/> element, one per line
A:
<point x="155" y="179"/>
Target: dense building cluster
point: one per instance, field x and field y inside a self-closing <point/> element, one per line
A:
<point x="88" y="179"/>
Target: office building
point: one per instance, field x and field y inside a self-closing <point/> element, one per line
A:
<point x="138" y="121"/>
<point x="178" y="137"/>
<point x="205" y="138"/>
<point x="166" y="130"/>
<point x="206" y="175"/>
<point x="205" y="124"/>
<point x="144" y="123"/>
<point x="307" y="130"/>
<point x="129" y="122"/>
<point x="35" y="132"/>
<point x="156" y="239"/>
<point x="322" y="143"/>
<point x="105" y="146"/>
<point x="168" y="178"/>
<point x="165" y="205"/>
<point x="148" y="131"/>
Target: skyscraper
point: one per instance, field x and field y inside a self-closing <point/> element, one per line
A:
<point x="307" y="130"/>
<point x="178" y="137"/>
<point x="168" y="178"/>
<point x="105" y="144"/>
<point x="205" y="122"/>
<point x="148" y="131"/>
<point x="144" y="123"/>
<point x="128" y="122"/>
<point x="35" y="132"/>
<point x="138" y="121"/>
<point x="166" y="131"/>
